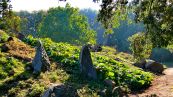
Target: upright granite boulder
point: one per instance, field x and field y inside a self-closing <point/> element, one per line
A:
<point x="41" y="60"/>
<point x="86" y="65"/>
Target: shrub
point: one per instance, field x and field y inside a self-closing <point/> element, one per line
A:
<point x="7" y="65"/>
<point x="36" y="90"/>
<point x="3" y="36"/>
<point x="53" y="77"/>
<point x="140" y="46"/>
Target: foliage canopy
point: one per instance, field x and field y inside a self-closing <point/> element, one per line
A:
<point x="67" y="25"/>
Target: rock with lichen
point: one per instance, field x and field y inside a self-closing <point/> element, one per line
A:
<point x="41" y="60"/>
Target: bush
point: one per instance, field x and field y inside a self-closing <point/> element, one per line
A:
<point x="3" y="36"/>
<point x="36" y="90"/>
<point x="8" y="65"/>
<point x="140" y="46"/>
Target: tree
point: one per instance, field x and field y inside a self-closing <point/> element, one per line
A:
<point x="31" y="21"/>
<point x="66" y="25"/>
<point x="94" y="24"/>
<point x="13" y="23"/>
<point x="10" y="23"/>
<point x="5" y="13"/>
<point x="157" y="16"/>
<point x="5" y="8"/>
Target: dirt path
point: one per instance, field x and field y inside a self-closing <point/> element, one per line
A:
<point x="162" y="86"/>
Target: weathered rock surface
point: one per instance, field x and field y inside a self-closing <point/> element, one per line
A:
<point x="10" y="39"/>
<point x="141" y="64"/>
<point x="41" y="60"/>
<point x="109" y="82"/>
<point x="150" y="65"/>
<point x="86" y="65"/>
<point x="113" y="92"/>
<point x="20" y="36"/>
<point x="60" y="91"/>
<point x="95" y="48"/>
<point x="4" y="48"/>
<point x="154" y="66"/>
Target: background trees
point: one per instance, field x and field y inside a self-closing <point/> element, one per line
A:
<point x="157" y="17"/>
<point x="66" y="25"/>
<point x="30" y="21"/>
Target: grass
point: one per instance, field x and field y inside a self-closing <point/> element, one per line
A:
<point x="20" y="50"/>
<point x="68" y="56"/>
<point x="64" y="70"/>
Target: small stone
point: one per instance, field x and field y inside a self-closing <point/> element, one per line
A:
<point x="11" y="73"/>
<point x="21" y="36"/>
<point x="10" y="39"/>
<point x="118" y="59"/>
<point x="4" y="48"/>
<point x="109" y="83"/>
<point x="102" y="93"/>
<point x="28" y="68"/>
<point x="95" y="48"/>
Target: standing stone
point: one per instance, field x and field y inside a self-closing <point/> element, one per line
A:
<point x="86" y="65"/>
<point x="41" y="60"/>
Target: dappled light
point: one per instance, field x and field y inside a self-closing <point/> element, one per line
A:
<point x="124" y="48"/>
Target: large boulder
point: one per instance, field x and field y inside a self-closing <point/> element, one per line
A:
<point x="150" y="65"/>
<point x="154" y="66"/>
<point x="140" y="64"/>
<point x="86" y="65"/>
<point x="41" y="60"/>
<point x="60" y="91"/>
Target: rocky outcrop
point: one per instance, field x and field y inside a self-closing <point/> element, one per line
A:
<point x="86" y="66"/>
<point x="60" y="91"/>
<point x="154" y="66"/>
<point x="141" y="64"/>
<point x="41" y="60"/>
<point x="150" y="65"/>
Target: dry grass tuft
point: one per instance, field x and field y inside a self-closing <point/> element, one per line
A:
<point x="20" y="50"/>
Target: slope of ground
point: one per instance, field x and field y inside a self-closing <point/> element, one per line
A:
<point x="20" y="50"/>
<point x="17" y="79"/>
